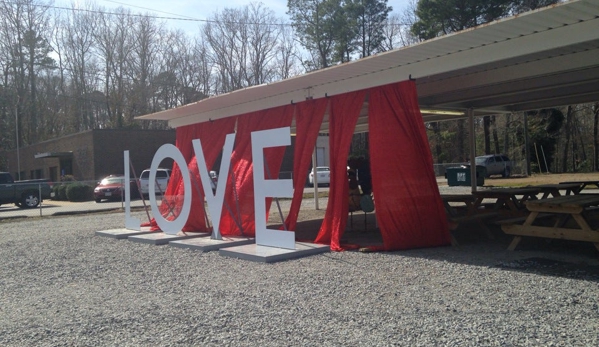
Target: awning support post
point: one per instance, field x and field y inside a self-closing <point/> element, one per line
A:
<point x="315" y="179"/>
<point x="473" y="179"/>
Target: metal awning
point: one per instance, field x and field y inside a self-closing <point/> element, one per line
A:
<point x="53" y="155"/>
<point x="542" y="58"/>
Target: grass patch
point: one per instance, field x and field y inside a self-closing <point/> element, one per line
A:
<point x="311" y="195"/>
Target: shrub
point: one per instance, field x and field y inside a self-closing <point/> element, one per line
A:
<point x="60" y="192"/>
<point x="68" y="178"/>
<point x="78" y="192"/>
<point x="55" y="189"/>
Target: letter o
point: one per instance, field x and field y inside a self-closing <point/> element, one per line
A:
<point x="170" y="227"/>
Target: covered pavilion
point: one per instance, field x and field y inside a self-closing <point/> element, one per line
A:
<point x="542" y="58"/>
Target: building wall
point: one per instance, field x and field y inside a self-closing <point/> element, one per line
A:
<point x="80" y="144"/>
<point x="96" y="153"/>
<point x="109" y="146"/>
<point x="99" y="153"/>
<point x="322" y="150"/>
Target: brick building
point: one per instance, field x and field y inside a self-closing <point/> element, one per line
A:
<point x="88" y="156"/>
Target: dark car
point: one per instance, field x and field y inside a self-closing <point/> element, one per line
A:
<point x="112" y="188"/>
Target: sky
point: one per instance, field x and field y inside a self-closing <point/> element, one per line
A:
<point x="198" y="9"/>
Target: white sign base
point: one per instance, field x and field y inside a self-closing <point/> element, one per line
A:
<point x="207" y="244"/>
<point x="264" y="254"/>
<point x="158" y="238"/>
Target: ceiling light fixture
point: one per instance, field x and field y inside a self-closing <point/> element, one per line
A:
<point x="442" y="112"/>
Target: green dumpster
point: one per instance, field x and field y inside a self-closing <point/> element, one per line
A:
<point x="460" y="176"/>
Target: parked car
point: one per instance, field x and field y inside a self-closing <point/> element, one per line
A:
<point x="495" y="164"/>
<point x="323" y="178"/>
<point x="113" y="188"/>
<point x="24" y="194"/>
<point x="162" y="178"/>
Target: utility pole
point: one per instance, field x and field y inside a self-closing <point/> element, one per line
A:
<point x="17" y="139"/>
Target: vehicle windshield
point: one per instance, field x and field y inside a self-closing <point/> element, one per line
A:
<point x="112" y="180"/>
<point x="322" y="169"/>
<point x="480" y="160"/>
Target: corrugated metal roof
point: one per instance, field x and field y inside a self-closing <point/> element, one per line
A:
<point x="538" y="59"/>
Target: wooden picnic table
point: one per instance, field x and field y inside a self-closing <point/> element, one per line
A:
<point x="553" y="190"/>
<point x="460" y="201"/>
<point x="583" y="184"/>
<point x="460" y="209"/>
<point x="574" y="209"/>
<point x="509" y="201"/>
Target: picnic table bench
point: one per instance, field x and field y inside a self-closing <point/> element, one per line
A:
<point x="460" y="209"/>
<point x="508" y="201"/>
<point x="570" y="215"/>
<point x="583" y="184"/>
<point x="553" y="190"/>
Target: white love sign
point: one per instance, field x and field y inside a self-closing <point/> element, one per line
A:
<point x="263" y="188"/>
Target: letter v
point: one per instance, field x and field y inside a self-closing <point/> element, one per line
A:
<point x="214" y="201"/>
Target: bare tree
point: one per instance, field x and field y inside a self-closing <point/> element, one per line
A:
<point x="243" y="46"/>
<point x="23" y="41"/>
<point x="568" y="133"/>
<point x="202" y="72"/>
<point x="115" y="48"/>
<point x="192" y="69"/>
<point x="146" y="35"/>
<point x="288" y="56"/>
<point x="81" y="66"/>
<point x="392" y="32"/>
<point x="263" y="35"/>
<point x="184" y="73"/>
<point x="227" y="40"/>
<point x="495" y="134"/>
<point x="596" y="136"/>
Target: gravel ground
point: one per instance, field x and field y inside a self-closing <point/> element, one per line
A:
<point x="63" y="286"/>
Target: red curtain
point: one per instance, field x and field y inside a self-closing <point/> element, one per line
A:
<point x="212" y="134"/>
<point x="238" y="212"/>
<point x="409" y="209"/>
<point x="308" y="119"/>
<point x="343" y="115"/>
<point x="184" y="135"/>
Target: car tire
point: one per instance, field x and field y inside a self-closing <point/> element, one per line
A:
<point x="506" y="172"/>
<point x="98" y="200"/>
<point x="30" y="200"/>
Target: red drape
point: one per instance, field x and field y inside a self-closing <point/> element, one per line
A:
<point x="212" y="134"/>
<point x="239" y="197"/>
<point x="343" y="115"/>
<point x="184" y="135"/>
<point x="409" y="209"/>
<point x="308" y="119"/>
